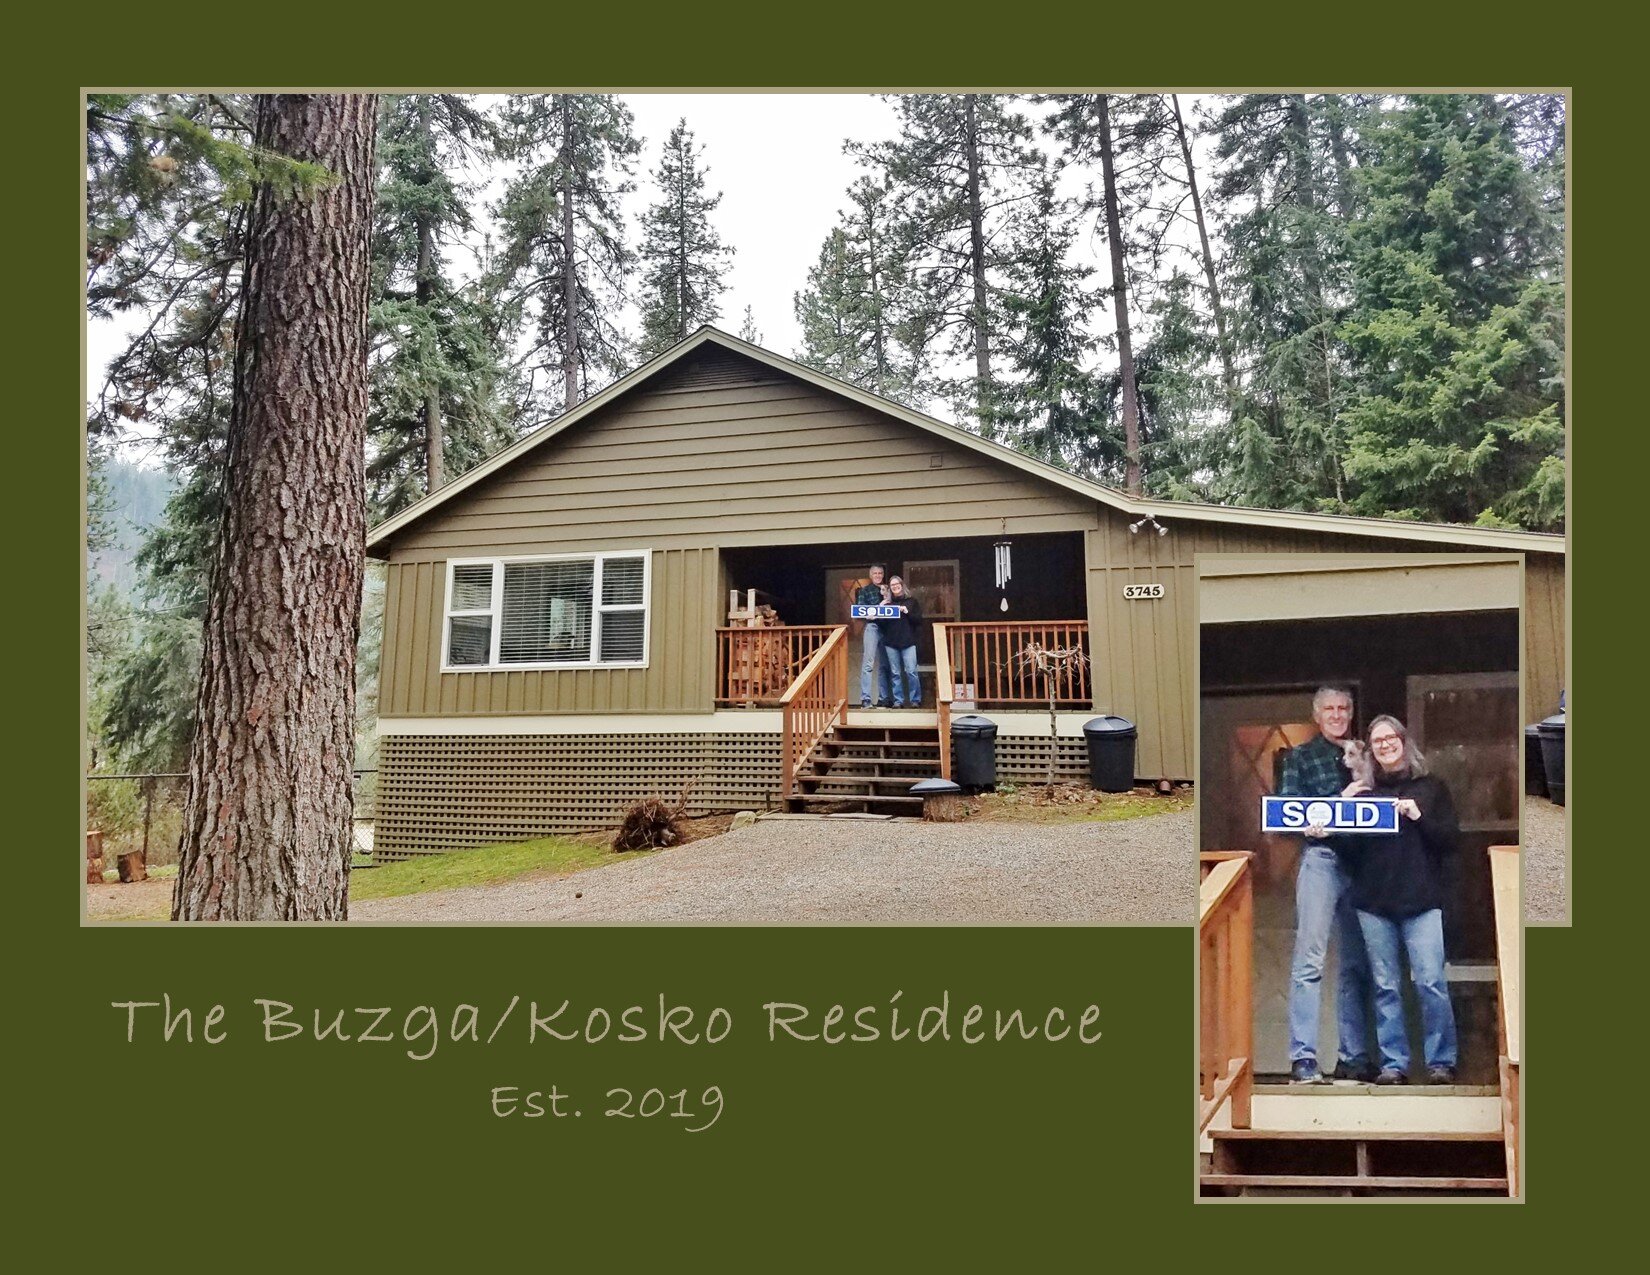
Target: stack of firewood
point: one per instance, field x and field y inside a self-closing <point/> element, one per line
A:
<point x="759" y="666"/>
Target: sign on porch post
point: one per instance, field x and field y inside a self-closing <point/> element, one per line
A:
<point x="1336" y="814"/>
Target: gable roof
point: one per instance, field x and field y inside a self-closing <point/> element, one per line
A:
<point x="1135" y="506"/>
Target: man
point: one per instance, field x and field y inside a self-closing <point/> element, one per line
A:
<point x="1318" y="768"/>
<point x="874" y="594"/>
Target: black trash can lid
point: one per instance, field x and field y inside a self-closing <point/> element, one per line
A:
<point x="1531" y="730"/>
<point x="1553" y="724"/>
<point x="935" y="788"/>
<point x="973" y="725"/>
<point x="1108" y="725"/>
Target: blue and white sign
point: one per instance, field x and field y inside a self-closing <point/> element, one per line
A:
<point x="1337" y="814"/>
<point x="858" y="612"/>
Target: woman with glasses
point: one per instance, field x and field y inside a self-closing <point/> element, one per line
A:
<point x="1398" y="888"/>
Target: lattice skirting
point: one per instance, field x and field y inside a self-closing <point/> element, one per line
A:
<point x="1024" y="759"/>
<point x="451" y="792"/>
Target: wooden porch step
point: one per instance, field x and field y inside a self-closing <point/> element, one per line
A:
<point x="843" y="762"/>
<point x="1321" y="1182"/>
<point x="1356" y="1135"/>
<point x="886" y="734"/>
<point x="848" y="782"/>
<point x="849" y="798"/>
<point x="1370" y="1161"/>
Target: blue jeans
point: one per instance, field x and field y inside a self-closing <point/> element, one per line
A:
<point x="903" y="661"/>
<point x="1422" y="936"/>
<point x="873" y="662"/>
<point x="1321" y="905"/>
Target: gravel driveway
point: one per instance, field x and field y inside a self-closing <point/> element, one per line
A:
<point x="1546" y="882"/>
<point x="841" y="871"/>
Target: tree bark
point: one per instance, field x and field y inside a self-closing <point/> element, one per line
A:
<point x="424" y="289"/>
<point x="569" y="277"/>
<point x="1120" y="305"/>
<point x="267" y="818"/>
<point x="1228" y="375"/>
<point x="983" y="404"/>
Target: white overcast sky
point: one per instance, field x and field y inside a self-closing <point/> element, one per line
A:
<point x="778" y="160"/>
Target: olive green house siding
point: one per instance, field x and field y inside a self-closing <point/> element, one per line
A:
<point x="719" y="447"/>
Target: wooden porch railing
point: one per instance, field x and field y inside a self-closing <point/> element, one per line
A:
<point x="943" y="689"/>
<point x="814" y="703"/>
<point x="983" y="656"/>
<point x="757" y="666"/>
<point x="1226" y="936"/>
<point x="1508" y="948"/>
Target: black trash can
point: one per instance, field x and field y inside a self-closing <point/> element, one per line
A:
<point x="1111" y="752"/>
<point x="1535" y="770"/>
<point x="1551" y="730"/>
<point x="974" y="743"/>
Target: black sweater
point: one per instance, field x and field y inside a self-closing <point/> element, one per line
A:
<point x="901" y="633"/>
<point x="1403" y="875"/>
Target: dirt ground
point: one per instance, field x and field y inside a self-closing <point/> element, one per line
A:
<point x="149" y="900"/>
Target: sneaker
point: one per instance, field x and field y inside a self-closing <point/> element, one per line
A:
<point x="864" y="704"/>
<point x="1305" y="1072"/>
<point x="1391" y="1076"/>
<point x="1440" y="1075"/>
<point x="1358" y="1070"/>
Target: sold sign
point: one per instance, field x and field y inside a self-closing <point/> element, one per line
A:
<point x="860" y="612"/>
<point x="1337" y="814"/>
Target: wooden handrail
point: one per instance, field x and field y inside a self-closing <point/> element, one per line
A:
<point x="1226" y="936"/>
<point x="755" y="666"/>
<point x="983" y="655"/>
<point x="813" y="703"/>
<point x="944" y="688"/>
<point x="1508" y="954"/>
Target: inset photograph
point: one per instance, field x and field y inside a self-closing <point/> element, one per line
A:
<point x="1361" y="745"/>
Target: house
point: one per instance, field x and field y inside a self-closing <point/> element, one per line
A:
<point x="557" y="634"/>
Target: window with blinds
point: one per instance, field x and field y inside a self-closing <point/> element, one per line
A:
<point x="548" y="613"/>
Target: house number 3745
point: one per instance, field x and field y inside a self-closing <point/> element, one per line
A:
<point x="1137" y="592"/>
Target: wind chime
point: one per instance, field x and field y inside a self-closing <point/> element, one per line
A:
<point x="1005" y="569"/>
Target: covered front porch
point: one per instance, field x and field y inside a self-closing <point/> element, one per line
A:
<point x="785" y="602"/>
<point x="971" y="650"/>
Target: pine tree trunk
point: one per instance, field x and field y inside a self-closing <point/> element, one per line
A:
<point x="267" y="818"/>
<point x="1120" y="304"/>
<point x="569" y="277"/>
<point x="424" y="290"/>
<point x="983" y="405"/>
<point x="1228" y="375"/>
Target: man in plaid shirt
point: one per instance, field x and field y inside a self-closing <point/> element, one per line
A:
<point x="1317" y="768"/>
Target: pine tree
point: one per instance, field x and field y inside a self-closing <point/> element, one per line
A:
<point x="682" y="259"/>
<point x="1286" y="175"/>
<point x="1127" y="136"/>
<point x="748" y="331"/>
<point x="436" y="376"/>
<point x="850" y="310"/>
<point x="1049" y="406"/>
<point x="960" y="165"/>
<point x="267" y="820"/>
<point x="559" y="274"/>
<point x="1457" y="322"/>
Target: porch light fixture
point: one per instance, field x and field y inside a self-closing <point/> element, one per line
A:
<point x="1134" y="527"/>
<point x="1004" y="550"/>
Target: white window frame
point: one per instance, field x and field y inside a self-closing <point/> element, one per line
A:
<point x="597" y="610"/>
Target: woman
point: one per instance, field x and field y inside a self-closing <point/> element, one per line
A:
<point x="1398" y="890"/>
<point x="899" y="645"/>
